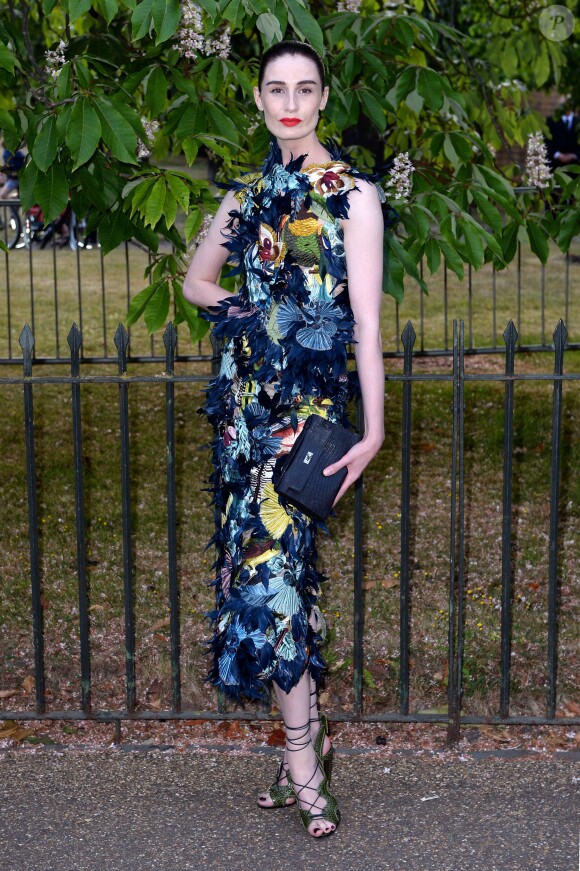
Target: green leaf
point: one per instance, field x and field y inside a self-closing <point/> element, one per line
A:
<point x="509" y="240"/>
<point x="156" y="91"/>
<point x="403" y="32"/>
<point x="538" y="240"/>
<point x="452" y="258"/>
<point x="64" y="83"/>
<point x="473" y="244"/>
<point x="414" y="101"/>
<point x="494" y="180"/>
<point x="488" y="212"/>
<point x="569" y="226"/>
<point x="430" y="88"/>
<point x="188" y="124"/>
<point x="51" y="192"/>
<point x="198" y="327"/>
<point x="83" y="132"/>
<point x="461" y="145"/>
<point x="108" y="9"/>
<point x="373" y="109"/>
<point x="114" y="229"/>
<point x="117" y="133"/>
<point x="433" y="255"/>
<point x="193" y="223"/>
<point x="215" y="77"/>
<point x="393" y="275"/>
<point x="157" y="308"/>
<point x="405" y="258"/>
<point x="140" y="300"/>
<point x="155" y="202"/>
<point x="142" y="19"/>
<point x="179" y="190"/>
<point x="6" y="58"/>
<point x="76" y="8"/>
<point x="305" y="25"/>
<point x="223" y="124"/>
<point x="190" y="149"/>
<point x="405" y="83"/>
<point x="169" y="209"/>
<point x="166" y="15"/>
<point x="46" y="144"/>
<point x="28" y="178"/>
<point x="234" y="12"/>
<point x="269" y="26"/>
<point x="542" y="65"/>
<point x="7" y="121"/>
<point x="210" y="7"/>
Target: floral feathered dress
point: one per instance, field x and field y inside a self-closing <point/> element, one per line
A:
<point x="284" y="338"/>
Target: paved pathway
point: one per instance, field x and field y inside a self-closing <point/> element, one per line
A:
<point x="172" y="811"/>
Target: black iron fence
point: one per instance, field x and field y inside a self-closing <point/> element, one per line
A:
<point x="34" y="380"/>
<point x="49" y="287"/>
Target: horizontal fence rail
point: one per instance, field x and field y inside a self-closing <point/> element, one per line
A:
<point x="33" y="381"/>
<point x="49" y="286"/>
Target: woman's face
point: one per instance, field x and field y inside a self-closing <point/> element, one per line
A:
<point x="291" y="96"/>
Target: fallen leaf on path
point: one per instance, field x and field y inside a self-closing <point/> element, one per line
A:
<point x="28" y="683"/>
<point x="159" y="625"/>
<point x="7" y="694"/>
<point x="277" y="738"/>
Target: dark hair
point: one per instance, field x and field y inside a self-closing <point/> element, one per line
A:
<point x="292" y="47"/>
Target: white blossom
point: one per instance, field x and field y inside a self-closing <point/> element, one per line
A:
<point x="348" y="6"/>
<point x="201" y="233"/>
<point x="191" y="40"/>
<point x="538" y="168"/>
<point x="151" y="129"/>
<point x="399" y="183"/>
<point x="55" y="60"/>
<point x="220" y="46"/>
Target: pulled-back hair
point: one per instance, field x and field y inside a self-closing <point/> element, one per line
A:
<point x="292" y="47"/>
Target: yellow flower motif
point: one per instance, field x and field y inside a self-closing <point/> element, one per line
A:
<point x="306" y="227"/>
<point x="274" y="517"/>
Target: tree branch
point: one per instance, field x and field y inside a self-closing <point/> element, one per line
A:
<point x="472" y="68"/>
<point x="41" y="73"/>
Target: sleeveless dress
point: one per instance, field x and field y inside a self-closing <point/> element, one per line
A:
<point x="284" y="339"/>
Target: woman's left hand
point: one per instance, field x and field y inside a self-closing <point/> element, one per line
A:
<point x="356" y="461"/>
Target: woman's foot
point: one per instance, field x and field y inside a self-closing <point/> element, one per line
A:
<point x="280" y="794"/>
<point x="318" y="808"/>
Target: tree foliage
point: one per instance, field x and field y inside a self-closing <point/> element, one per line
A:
<point x="121" y="79"/>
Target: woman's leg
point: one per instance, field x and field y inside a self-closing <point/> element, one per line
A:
<point x="300" y="756"/>
<point x="265" y="799"/>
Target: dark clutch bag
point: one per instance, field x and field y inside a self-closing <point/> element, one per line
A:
<point x="299" y="477"/>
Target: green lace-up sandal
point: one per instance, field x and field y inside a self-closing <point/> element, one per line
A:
<point x="330" y="813"/>
<point x="310" y="813"/>
<point x="326" y="759"/>
<point x="280" y="794"/>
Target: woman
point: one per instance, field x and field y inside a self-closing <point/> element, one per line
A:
<point x="294" y="229"/>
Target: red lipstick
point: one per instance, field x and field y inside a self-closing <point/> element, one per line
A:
<point x="290" y="122"/>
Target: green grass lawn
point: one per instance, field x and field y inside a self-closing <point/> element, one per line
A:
<point x="49" y="289"/>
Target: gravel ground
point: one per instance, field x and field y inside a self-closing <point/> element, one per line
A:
<point x="171" y="811"/>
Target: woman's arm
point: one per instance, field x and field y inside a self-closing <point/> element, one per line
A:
<point x="199" y="285"/>
<point x="363" y="244"/>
